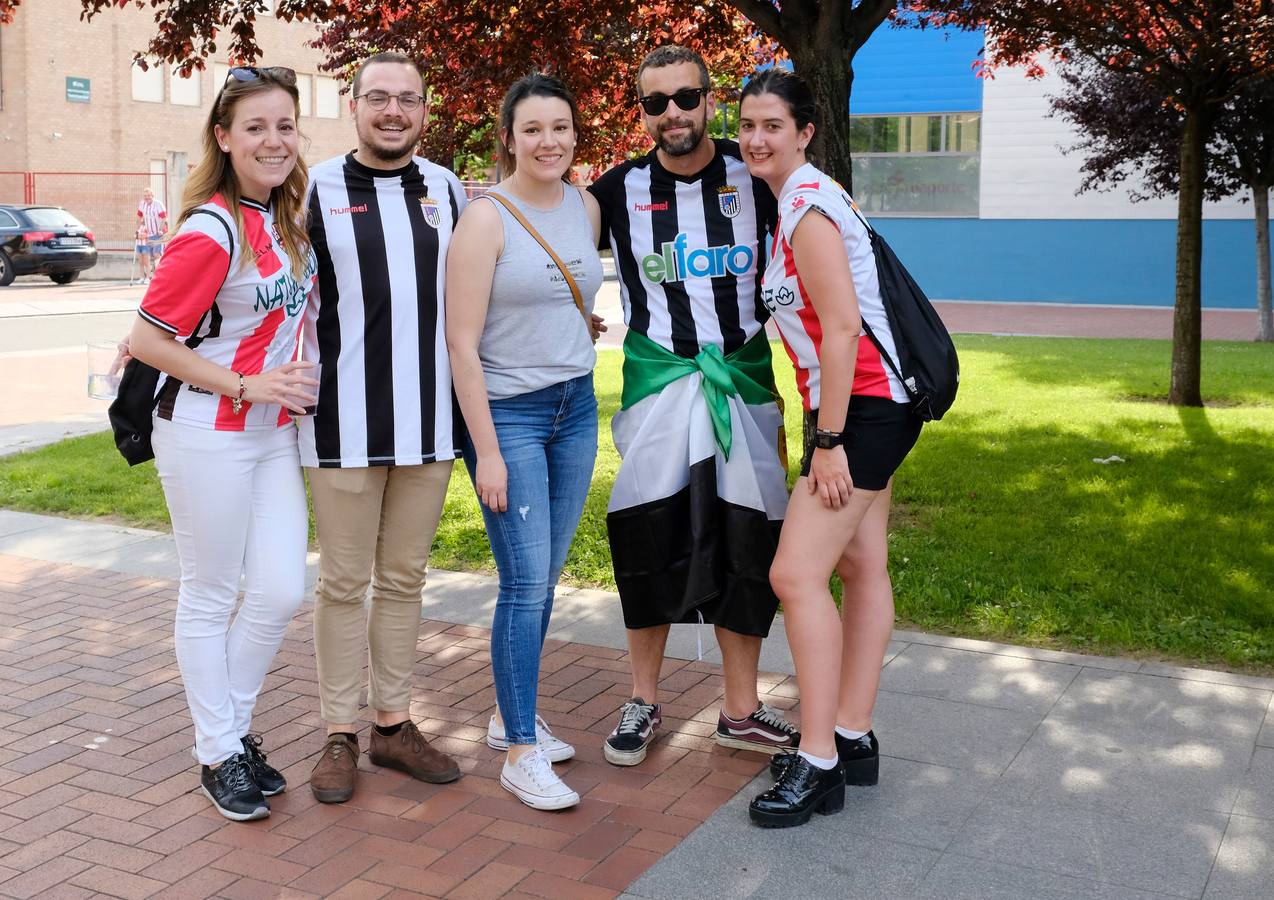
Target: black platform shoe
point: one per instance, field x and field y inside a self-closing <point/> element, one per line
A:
<point x="803" y="790"/>
<point x="859" y="756"/>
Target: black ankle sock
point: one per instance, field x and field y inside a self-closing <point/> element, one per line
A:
<point x="389" y="730"/>
<point x="353" y="738"/>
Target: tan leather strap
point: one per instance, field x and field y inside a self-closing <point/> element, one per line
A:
<point x="566" y="273"/>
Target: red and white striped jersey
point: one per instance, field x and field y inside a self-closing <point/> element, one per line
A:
<point x="246" y="317"/>
<point x="154" y="217"/>
<point x="784" y="294"/>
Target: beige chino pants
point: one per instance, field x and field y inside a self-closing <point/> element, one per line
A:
<point x="375" y="527"/>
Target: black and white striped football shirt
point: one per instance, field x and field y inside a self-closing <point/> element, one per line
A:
<point x="376" y="319"/>
<point x="689" y="250"/>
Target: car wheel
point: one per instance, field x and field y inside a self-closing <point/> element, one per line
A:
<point x="6" y="270"/>
<point x="64" y="277"/>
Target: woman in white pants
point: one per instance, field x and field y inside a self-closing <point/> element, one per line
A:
<point x="220" y="320"/>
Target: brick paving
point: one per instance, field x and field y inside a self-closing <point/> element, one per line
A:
<point x="97" y="784"/>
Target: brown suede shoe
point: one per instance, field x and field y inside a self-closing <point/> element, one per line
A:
<point x="332" y="780"/>
<point x="408" y="751"/>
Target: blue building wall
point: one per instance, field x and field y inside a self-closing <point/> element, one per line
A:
<point x="1124" y="261"/>
<point x="905" y="70"/>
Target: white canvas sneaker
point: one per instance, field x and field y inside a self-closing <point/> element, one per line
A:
<point x="556" y="748"/>
<point x="532" y="780"/>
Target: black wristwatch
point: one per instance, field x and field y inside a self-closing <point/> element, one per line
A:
<point x="826" y="440"/>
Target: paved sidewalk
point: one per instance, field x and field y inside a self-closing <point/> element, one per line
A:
<point x="1007" y="773"/>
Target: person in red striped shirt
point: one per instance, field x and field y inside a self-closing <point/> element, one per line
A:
<point x="821" y="287"/>
<point x="221" y="320"/>
<point x="152" y="225"/>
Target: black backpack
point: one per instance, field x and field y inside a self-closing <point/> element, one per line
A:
<point x="927" y="364"/>
<point x="132" y="411"/>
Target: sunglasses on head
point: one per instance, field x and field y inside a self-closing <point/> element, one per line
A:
<point x="281" y="74"/>
<point x="686" y="99"/>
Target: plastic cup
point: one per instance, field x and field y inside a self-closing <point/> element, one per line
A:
<point x="105" y="366"/>
<point x="316" y="372"/>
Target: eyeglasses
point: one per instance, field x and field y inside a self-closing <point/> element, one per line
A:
<point x="281" y="74"/>
<point x="407" y="100"/>
<point x="686" y="99"/>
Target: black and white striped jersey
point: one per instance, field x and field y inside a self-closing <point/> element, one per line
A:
<point x="375" y="321"/>
<point x="689" y="250"/>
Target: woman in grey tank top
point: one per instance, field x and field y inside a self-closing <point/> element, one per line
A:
<point x="522" y="363"/>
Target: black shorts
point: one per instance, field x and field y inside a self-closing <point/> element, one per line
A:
<point x="877" y="437"/>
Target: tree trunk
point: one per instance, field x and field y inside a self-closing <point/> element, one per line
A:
<point x="1261" y="211"/>
<point x="1187" y="320"/>
<point x="829" y="76"/>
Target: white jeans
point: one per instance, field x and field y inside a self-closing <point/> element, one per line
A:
<point x="237" y="503"/>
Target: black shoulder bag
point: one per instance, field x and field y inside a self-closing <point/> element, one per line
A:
<point x="132" y="412"/>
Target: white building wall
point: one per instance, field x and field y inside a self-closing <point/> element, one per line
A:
<point x="1025" y="175"/>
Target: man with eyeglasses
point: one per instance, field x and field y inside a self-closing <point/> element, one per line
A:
<point x="379" y="449"/>
<point x="698" y="502"/>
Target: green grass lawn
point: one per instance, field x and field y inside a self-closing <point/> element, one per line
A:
<point x="1004" y="526"/>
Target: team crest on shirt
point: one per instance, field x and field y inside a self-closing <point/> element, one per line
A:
<point x="433" y="213"/>
<point x="728" y="200"/>
<point x="278" y="236"/>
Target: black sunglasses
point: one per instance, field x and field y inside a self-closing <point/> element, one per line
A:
<point x="686" y="99"/>
<point x="281" y="74"/>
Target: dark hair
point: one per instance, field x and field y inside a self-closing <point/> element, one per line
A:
<point x="671" y="55"/>
<point x="537" y="84"/>
<point x="789" y="87"/>
<point x="388" y="56"/>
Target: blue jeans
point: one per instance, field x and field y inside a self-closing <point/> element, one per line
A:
<point x="548" y="439"/>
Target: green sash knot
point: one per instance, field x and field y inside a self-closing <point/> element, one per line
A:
<point x="746" y="373"/>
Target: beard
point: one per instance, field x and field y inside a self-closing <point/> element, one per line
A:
<point x="377" y="144"/>
<point x="685" y="144"/>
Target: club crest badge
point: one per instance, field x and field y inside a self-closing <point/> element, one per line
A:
<point x="433" y="214"/>
<point x="728" y="200"/>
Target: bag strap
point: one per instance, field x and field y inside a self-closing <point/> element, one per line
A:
<point x="884" y="354"/>
<point x="566" y="273"/>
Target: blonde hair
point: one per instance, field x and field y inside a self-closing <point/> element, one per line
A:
<point x="214" y="173"/>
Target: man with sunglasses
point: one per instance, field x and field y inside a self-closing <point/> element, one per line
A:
<point x="379" y="449"/>
<point x="698" y="502"/>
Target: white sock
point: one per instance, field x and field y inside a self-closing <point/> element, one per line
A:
<point x="849" y="735"/>
<point x="824" y="764"/>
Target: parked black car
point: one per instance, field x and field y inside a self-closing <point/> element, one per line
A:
<point x="43" y="240"/>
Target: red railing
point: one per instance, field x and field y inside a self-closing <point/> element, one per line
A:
<point x="104" y="201"/>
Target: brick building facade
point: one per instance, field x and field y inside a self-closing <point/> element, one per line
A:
<point x="72" y="101"/>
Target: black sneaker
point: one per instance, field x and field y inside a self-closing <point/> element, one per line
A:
<point x="638" y="721"/>
<point x="860" y="757"/>
<point x="267" y="777"/>
<point x="233" y="791"/>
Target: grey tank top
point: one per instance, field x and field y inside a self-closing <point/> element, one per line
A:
<point x="534" y="335"/>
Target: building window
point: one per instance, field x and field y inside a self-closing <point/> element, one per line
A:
<point x="305" y="92"/>
<point x="220" y="72"/>
<point x="148" y="85"/>
<point x="184" y="91"/>
<point x="327" y="98"/>
<point x="917" y="165"/>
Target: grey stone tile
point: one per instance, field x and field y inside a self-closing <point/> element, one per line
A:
<point x="1244" y="868"/>
<point x="1129" y="770"/>
<point x="1266" y="737"/>
<point x="947" y="733"/>
<point x="1256" y="796"/>
<point x="1162" y="855"/>
<point x="961" y="878"/>
<point x="1113" y="663"/>
<point x="17" y="522"/>
<point x="828" y="858"/>
<point x="918" y="803"/>
<point x="69" y="541"/>
<point x="1212" y="676"/>
<point x="1211" y="712"/>
<point x="1005" y="682"/>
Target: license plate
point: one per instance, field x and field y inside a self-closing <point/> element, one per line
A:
<point x="71" y="242"/>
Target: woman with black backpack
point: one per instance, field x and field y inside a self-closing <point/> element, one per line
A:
<point x="822" y="289"/>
